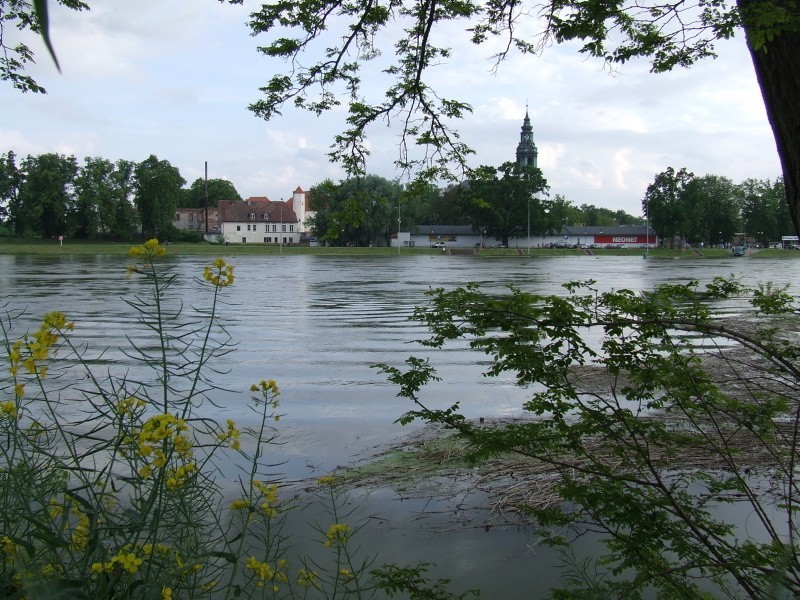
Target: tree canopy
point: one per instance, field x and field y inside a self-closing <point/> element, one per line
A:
<point x="502" y="201"/>
<point x="354" y="34"/>
<point x="214" y="189"/>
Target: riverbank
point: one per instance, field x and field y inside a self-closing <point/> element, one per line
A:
<point x="70" y="247"/>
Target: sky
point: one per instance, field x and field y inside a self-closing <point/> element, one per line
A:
<point x="174" y="78"/>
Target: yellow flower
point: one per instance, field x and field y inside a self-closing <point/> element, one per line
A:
<point x="219" y="274"/>
<point x="261" y="570"/>
<point x="326" y="480"/>
<point x="345" y="573"/>
<point x="149" y="250"/>
<point x="9" y="409"/>
<point x="166" y="593"/>
<point x="307" y="578"/>
<point x="145" y="472"/>
<point x="240" y="504"/>
<point x="337" y="533"/>
<point x="9" y="547"/>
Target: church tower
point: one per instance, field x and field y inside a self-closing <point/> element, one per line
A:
<point x="526" y="149"/>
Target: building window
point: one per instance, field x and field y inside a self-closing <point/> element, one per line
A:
<point x="274" y="228"/>
<point x="238" y="228"/>
<point x="177" y="216"/>
<point x="268" y="240"/>
<point x="265" y="240"/>
<point x="252" y="216"/>
<point x="244" y="240"/>
<point x="264" y="216"/>
<point x="291" y="227"/>
<point x="283" y="227"/>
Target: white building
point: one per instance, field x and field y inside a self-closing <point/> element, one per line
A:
<point x="259" y="220"/>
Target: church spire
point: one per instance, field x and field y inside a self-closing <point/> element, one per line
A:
<point x="527" y="153"/>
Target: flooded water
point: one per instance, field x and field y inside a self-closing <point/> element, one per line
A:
<point x="316" y="325"/>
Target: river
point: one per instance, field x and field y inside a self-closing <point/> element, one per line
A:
<point x="317" y="324"/>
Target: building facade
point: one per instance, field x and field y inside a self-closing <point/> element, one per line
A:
<point x="259" y="220"/>
<point x="194" y="219"/>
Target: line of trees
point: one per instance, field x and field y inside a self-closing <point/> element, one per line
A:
<point x="712" y="209"/>
<point x="499" y="201"/>
<point x="51" y="195"/>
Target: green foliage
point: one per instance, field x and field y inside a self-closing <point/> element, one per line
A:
<point x="764" y="210"/>
<point x="501" y="201"/>
<point x="360" y="211"/>
<point x="45" y="195"/>
<point x="214" y="189"/>
<point x="692" y="410"/>
<point x="158" y="191"/>
<point x="103" y="206"/>
<point x="26" y="16"/>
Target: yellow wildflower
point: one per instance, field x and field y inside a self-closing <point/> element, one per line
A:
<point x="145" y="471"/>
<point x="9" y="547"/>
<point x="346" y="573"/>
<point x="337" y="534"/>
<point x="149" y="250"/>
<point x="240" y="504"/>
<point x="9" y="409"/>
<point x="261" y="570"/>
<point x="307" y="578"/>
<point x="326" y="480"/>
<point x="166" y="593"/>
<point x="219" y="274"/>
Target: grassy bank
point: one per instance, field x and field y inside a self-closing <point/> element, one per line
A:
<point x="77" y="247"/>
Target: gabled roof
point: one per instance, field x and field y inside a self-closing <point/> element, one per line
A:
<point x="257" y="212"/>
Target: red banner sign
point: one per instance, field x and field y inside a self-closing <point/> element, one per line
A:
<point x="624" y="239"/>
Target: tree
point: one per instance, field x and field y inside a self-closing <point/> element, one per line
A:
<point x="765" y="214"/>
<point x="669" y="34"/>
<point x="663" y="203"/>
<point x="158" y="190"/>
<point x="501" y="201"/>
<point x="10" y="181"/>
<point x="215" y="190"/>
<point x="358" y="211"/>
<point x="103" y="206"/>
<point x="46" y="195"/>
<point x="648" y="415"/>
<point x="710" y="210"/>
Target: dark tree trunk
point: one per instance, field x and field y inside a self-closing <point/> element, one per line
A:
<point x="777" y="67"/>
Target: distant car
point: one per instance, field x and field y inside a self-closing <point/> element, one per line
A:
<point x="439" y="245"/>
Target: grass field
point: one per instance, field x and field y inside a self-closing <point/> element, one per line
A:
<point x="52" y="248"/>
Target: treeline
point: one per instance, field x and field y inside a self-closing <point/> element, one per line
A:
<point x="713" y="210"/>
<point x="51" y="195"/>
<point x="501" y="202"/>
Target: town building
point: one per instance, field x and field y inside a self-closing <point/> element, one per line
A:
<point x="259" y="220"/>
<point x="194" y="219"/>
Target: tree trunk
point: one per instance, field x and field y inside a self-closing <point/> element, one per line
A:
<point x="777" y="67"/>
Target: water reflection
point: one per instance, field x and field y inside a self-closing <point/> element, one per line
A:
<point x="316" y="325"/>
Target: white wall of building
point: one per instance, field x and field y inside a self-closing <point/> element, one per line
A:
<point x="260" y="233"/>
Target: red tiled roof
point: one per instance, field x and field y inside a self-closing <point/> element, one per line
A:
<point x="268" y="211"/>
